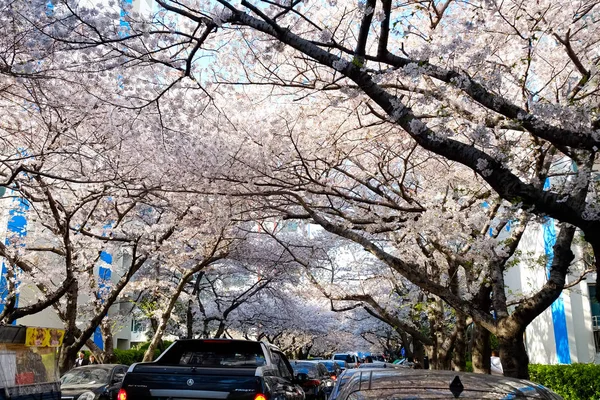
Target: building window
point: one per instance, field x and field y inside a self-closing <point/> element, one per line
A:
<point x="137" y="325"/>
<point x="595" y="306"/>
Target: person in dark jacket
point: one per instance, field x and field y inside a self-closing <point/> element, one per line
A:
<point x="81" y="361"/>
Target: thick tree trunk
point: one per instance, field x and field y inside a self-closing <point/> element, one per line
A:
<point x="407" y="343"/>
<point x="459" y="355"/>
<point x="418" y="352"/>
<point x="515" y="361"/>
<point x="69" y="349"/>
<point x="481" y="350"/>
<point x="108" y="356"/>
<point x="436" y="325"/>
<point x="67" y="358"/>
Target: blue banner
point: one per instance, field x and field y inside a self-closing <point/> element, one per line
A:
<point x="16" y="230"/>
<point x="559" y="319"/>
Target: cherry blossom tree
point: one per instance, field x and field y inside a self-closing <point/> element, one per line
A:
<point x="498" y="91"/>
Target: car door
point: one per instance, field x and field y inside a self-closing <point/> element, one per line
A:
<point x="116" y="378"/>
<point x="286" y="389"/>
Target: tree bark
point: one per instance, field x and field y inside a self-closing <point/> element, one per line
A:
<point x="459" y="355"/>
<point x="515" y="361"/>
<point x="107" y="335"/>
<point x="418" y="351"/>
<point x="481" y="350"/>
<point x="189" y="321"/>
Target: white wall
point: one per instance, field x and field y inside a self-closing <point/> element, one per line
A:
<point x="527" y="277"/>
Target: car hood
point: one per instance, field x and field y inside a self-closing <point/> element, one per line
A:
<point x="74" y="389"/>
<point x="425" y="384"/>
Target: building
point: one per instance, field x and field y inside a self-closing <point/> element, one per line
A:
<point x="568" y="331"/>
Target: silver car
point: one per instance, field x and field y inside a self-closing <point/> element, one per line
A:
<point x="406" y="383"/>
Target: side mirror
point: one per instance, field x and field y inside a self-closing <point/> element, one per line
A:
<point x="118" y="378"/>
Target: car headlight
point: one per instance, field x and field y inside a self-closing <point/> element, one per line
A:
<point x="87" y="396"/>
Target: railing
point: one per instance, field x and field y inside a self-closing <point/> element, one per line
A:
<point x="596" y="322"/>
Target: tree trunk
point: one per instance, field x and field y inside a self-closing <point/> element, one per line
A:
<point x="436" y="326"/>
<point x="481" y="350"/>
<point x="108" y="353"/>
<point x="69" y="350"/>
<point x="157" y="338"/>
<point x="67" y="358"/>
<point x="166" y="314"/>
<point x="220" y="329"/>
<point x="459" y="355"/>
<point x="189" y="321"/>
<point x="407" y="343"/>
<point x="418" y="352"/>
<point x="515" y="361"/>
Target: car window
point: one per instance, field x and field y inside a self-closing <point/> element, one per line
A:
<point x="308" y="368"/>
<point x="214" y="353"/>
<point x="349" y="358"/>
<point x="119" y="373"/>
<point x="280" y="361"/>
<point x="85" y="376"/>
<point x="323" y="370"/>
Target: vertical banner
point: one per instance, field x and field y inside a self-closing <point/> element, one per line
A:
<point x="16" y="230"/>
<point x="104" y="286"/>
<point x="559" y="319"/>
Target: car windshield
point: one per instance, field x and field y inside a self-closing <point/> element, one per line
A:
<point x="330" y="365"/>
<point x="215" y="353"/>
<point x="85" y="376"/>
<point x="343" y="357"/>
<point x="309" y="369"/>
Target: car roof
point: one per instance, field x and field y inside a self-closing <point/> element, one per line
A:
<point x="96" y="366"/>
<point x="303" y="363"/>
<point x="427" y="384"/>
<point x="269" y="345"/>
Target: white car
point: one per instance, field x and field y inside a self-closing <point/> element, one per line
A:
<point x="351" y="359"/>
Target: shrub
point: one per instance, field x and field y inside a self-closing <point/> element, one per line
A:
<point x="572" y="382"/>
<point x="131" y="356"/>
<point x="469" y="366"/>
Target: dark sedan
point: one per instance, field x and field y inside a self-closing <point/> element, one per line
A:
<point x="314" y="378"/>
<point x="332" y="366"/>
<point x="93" y="382"/>
<point x="407" y="383"/>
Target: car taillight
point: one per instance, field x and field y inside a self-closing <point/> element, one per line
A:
<point x="122" y="395"/>
<point x="312" y="382"/>
<point x="260" y="396"/>
<point x="334" y="377"/>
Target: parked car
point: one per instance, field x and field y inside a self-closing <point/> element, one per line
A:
<point x="314" y="378"/>
<point x="341" y="381"/>
<point x="342" y="363"/>
<point x="332" y="366"/>
<point x="407" y="383"/>
<point x="381" y="364"/>
<point x="90" y="382"/>
<point x="351" y="359"/>
<point x="213" y="369"/>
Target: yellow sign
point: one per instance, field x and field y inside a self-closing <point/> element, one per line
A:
<point x="44" y="337"/>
